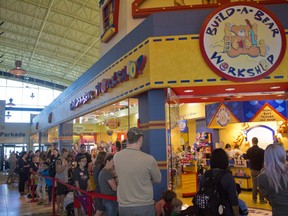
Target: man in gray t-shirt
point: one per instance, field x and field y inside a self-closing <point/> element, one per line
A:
<point x="136" y="171"/>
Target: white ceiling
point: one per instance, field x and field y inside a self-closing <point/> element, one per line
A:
<point x="56" y="40"/>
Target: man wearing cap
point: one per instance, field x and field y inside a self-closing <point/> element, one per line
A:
<point x="83" y="152"/>
<point x="136" y="173"/>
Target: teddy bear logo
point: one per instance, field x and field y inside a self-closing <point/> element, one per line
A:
<point x="243" y="40"/>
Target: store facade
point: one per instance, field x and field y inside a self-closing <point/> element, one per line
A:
<point x="149" y="67"/>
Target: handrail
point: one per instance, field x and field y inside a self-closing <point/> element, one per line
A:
<point x="89" y="193"/>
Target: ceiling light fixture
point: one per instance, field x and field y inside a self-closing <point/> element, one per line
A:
<point x="8" y="115"/>
<point x="275" y="87"/>
<point x="229" y="89"/>
<point x="204" y="98"/>
<point x="18" y="71"/>
<point x="188" y="91"/>
<point x="10" y="102"/>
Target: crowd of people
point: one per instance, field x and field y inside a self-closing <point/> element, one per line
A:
<point x="91" y="171"/>
<point x="129" y="174"/>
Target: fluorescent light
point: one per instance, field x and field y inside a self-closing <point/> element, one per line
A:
<point x="188" y="90"/>
<point x="229" y="89"/>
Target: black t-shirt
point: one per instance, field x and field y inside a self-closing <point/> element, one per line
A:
<point x="33" y="167"/>
<point x="88" y="157"/>
<point x="82" y="177"/>
<point x="256" y="157"/>
<point x="52" y="166"/>
<point x="21" y="164"/>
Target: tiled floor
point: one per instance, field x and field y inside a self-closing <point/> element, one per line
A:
<point x="246" y="196"/>
<point x="12" y="204"/>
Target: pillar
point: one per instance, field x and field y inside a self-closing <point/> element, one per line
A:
<point x="65" y="135"/>
<point x="152" y="122"/>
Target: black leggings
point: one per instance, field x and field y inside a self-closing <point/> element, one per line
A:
<point x="23" y="177"/>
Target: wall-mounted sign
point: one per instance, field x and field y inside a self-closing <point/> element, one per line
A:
<point x="110" y="15"/>
<point x="132" y="70"/>
<point x="113" y="122"/>
<point x="217" y="114"/>
<point x="220" y="115"/>
<point x="223" y="117"/>
<point x="85" y="98"/>
<point x="78" y="129"/>
<point x="268" y="113"/>
<point x="14" y="133"/>
<point x="242" y="41"/>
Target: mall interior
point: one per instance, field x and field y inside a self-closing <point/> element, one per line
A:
<point x="193" y="75"/>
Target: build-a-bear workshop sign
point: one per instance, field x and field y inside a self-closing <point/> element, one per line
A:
<point x="242" y="42"/>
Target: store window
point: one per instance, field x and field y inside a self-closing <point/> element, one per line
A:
<point x="105" y="126"/>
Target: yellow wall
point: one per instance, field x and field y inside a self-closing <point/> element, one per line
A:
<point x="230" y="133"/>
<point x="192" y="110"/>
<point x="175" y="138"/>
<point x="192" y="131"/>
<point x="182" y="60"/>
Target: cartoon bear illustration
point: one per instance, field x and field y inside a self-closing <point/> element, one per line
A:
<point x="242" y="40"/>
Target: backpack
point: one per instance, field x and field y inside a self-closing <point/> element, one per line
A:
<point x="207" y="200"/>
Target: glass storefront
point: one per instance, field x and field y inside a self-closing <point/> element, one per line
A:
<point x="107" y="124"/>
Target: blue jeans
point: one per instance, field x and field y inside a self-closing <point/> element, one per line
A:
<point x="148" y="210"/>
<point x="111" y="207"/>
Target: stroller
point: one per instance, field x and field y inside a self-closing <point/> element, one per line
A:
<point x="68" y="203"/>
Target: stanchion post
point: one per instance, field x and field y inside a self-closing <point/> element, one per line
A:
<point x="89" y="204"/>
<point x="53" y="196"/>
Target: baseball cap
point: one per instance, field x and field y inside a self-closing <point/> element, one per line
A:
<point x="134" y="131"/>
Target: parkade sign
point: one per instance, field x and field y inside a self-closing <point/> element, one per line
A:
<point x="242" y="42"/>
<point x="14" y="133"/>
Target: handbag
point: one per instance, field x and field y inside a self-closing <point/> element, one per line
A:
<point x="83" y="199"/>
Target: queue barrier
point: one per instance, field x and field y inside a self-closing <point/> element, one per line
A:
<point x="90" y="194"/>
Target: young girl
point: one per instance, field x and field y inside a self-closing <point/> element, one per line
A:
<point x="48" y="181"/>
<point x="165" y="202"/>
<point x="176" y="206"/>
<point x="41" y="186"/>
<point x="81" y="181"/>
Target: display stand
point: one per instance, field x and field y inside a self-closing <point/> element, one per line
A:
<point x="202" y="151"/>
<point x="242" y="173"/>
<point x="189" y="184"/>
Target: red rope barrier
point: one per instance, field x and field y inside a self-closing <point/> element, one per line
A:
<point x="32" y="179"/>
<point x="90" y="194"/>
